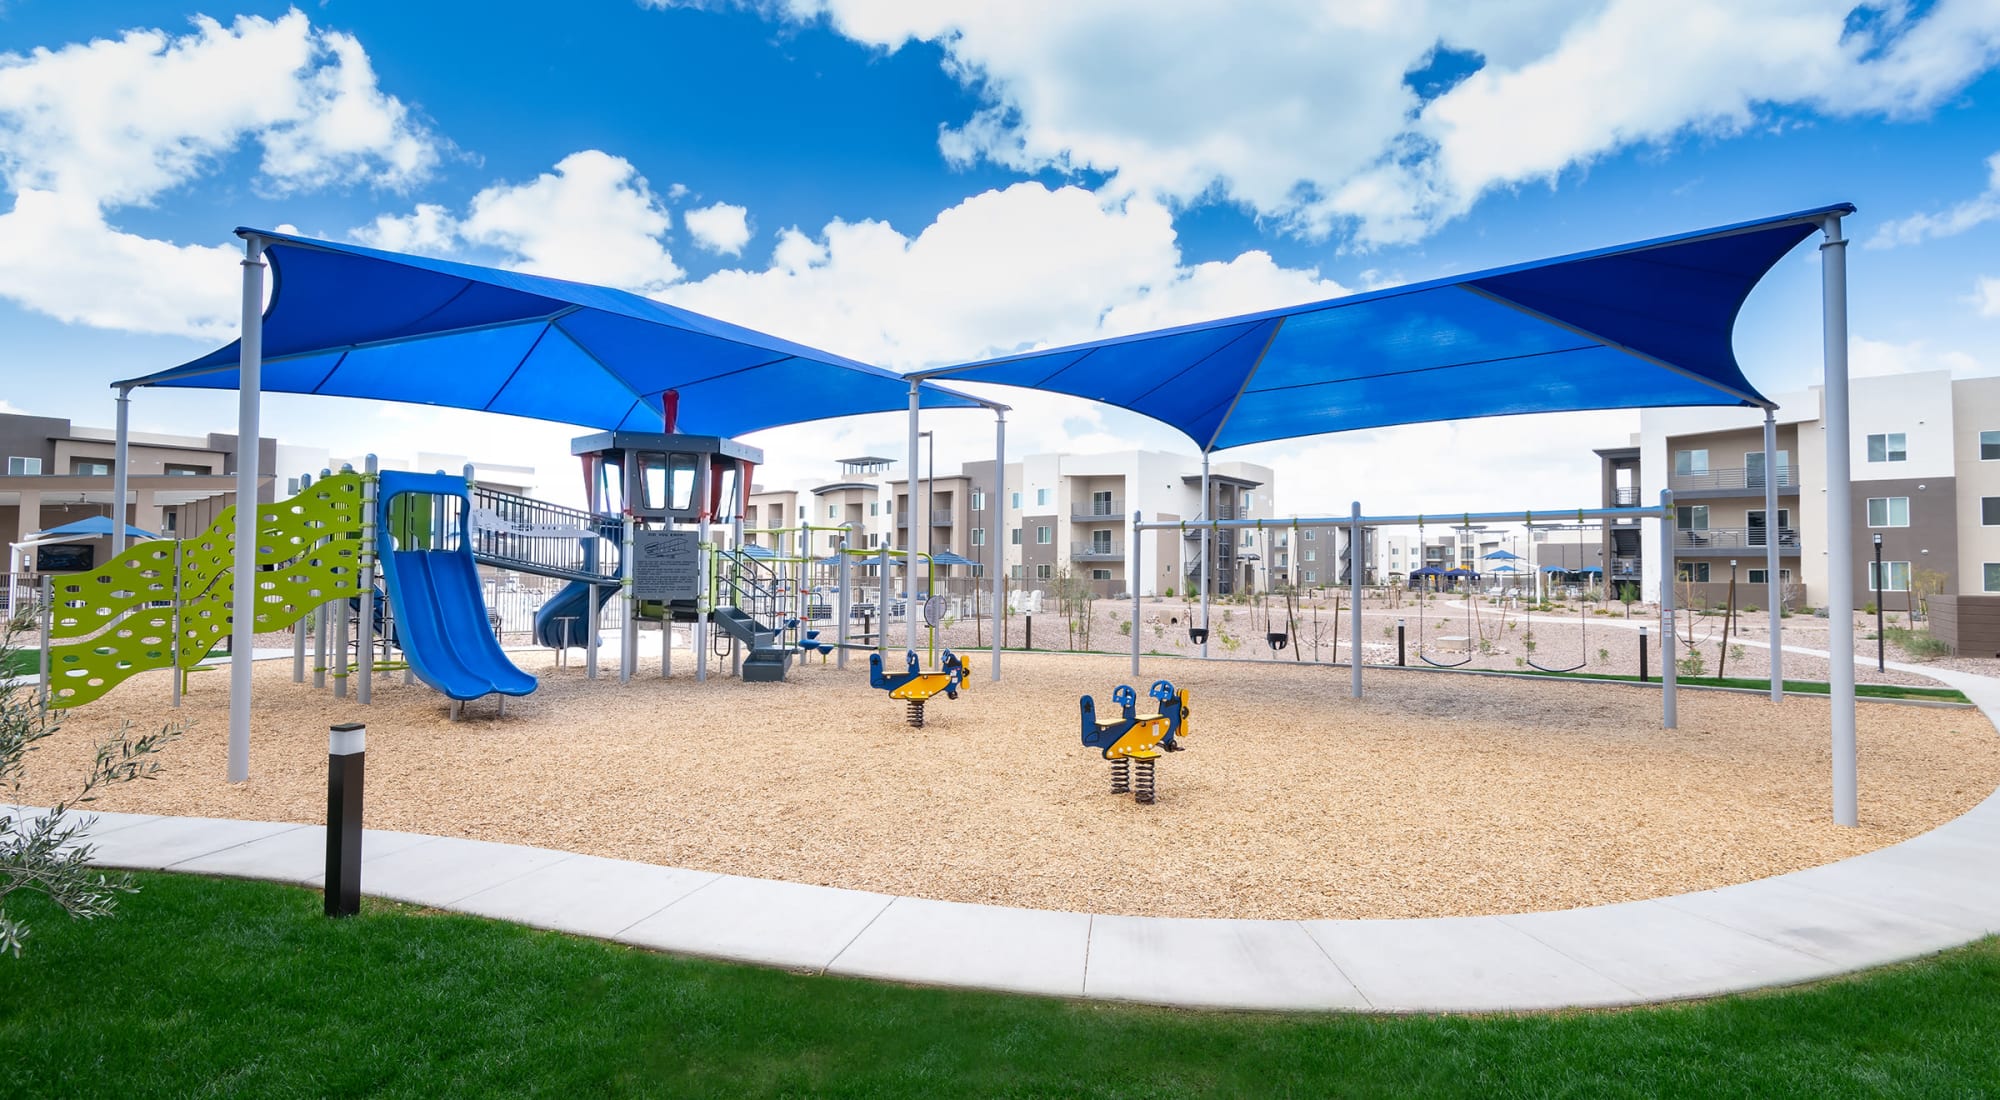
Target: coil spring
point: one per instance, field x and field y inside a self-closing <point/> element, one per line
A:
<point x="1143" y="786"/>
<point x="1121" y="775"/>
<point x="915" y="712"/>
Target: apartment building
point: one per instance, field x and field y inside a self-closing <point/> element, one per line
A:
<point x="1924" y="454"/>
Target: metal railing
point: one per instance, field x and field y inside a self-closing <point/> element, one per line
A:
<point x="1736" y="477"/>
<point x="545" y="539"/>
<point x="1624" y="498"/>
<point x="939" y="518"/>
<point x="1096" y="551"/>
<point x="1097" y="509"/>
<point x="1734" y="538"/>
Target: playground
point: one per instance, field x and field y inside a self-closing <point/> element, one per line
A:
<point x="1437" y="794"/>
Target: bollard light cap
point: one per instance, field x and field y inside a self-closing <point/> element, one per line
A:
<point x="347" y="739"/>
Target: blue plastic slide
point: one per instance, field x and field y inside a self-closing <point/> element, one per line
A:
<point x="440" y="610"/>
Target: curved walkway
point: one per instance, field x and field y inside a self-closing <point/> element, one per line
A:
<point x="1927" y="894"/>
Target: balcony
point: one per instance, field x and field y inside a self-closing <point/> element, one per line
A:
<point x="1096" y="551"/>
<point x="1625" y="567"/>
<point x="1625" y="498"/>
<point x="1718" y="539"/>
<point x="1097" y="510"/>
<point x="1735" y="480"/>
<point x="939" y="518"/>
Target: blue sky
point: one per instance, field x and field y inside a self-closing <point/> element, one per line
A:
<point x="923" y="182"/>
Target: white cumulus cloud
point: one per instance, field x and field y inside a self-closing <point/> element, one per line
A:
<point x="1986" y="296"/>
<point x="1969" y="214"/>
<point x="722" y="229"/>
<point x="90" y="128"/>
<point x="1301" y="111"/>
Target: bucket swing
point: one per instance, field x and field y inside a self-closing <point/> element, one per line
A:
<point x="1197" y="634"/>
<point x="1421" y="602"/>
<point x="1276" y="639"/>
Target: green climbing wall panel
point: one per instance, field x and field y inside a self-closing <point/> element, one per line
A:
<point x="310" y="547"/>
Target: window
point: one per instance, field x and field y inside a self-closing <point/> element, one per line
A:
<point x="1308" y="534"/>
<point x="874" y="507"/>
<point x="1691" y="463"/>
<point x="1100" y="504"/>
<point x="177" y="470"/>
<point x="1989" y="511"/>
<point x="1989" y="446"/>
<point x="1888" y="511"/>
<point x="802" y="511"/>
<point x="170" y="518"/>
<point x="1310" y="576"/>
<point x="1691" y="517"/>
<point x="1249" y="540"/>
<point x="1017" y="571"/>
<point x="1757" y="576"/>
<point x="1100" y="574"/>
<point x="873" y="541"/>
<point x="292" y="486"/>
<point x="1753" y="468"/>
<point x="1100" y="542"/>
<point x="979" y="536"/>
<point x="1014" y="537"/>
<point x="979" y="500"/>
<point x="1993" y="576"/>
<point x="1898" y="573"/>
<point x="1044" y="535"/>
<point x="1887" y="448"/>
<point x="1755" y="519"/>
<point x="1042" y="572"/>
<point x="1016" y="501"/>
<point x="833" y="542"/>
<point x="1312" y="555"/>
<point x="23" y="467"/>
<point x="833" y="511"/>
<point x="1694" y="571"/>
<point x="88" y="468"/>
<point x="1041" y="497"/>
<point x="1249" y="501"/>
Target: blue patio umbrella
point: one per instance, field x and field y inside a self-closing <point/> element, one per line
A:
<point x="1500" y="555"/>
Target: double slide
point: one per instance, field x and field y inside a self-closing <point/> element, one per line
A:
<point x="435" y="592"/>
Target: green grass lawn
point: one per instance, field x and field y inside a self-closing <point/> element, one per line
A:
<point x="20" y="662"/>
<point x="212" y="988"/>
<point x="1806" y="687"/>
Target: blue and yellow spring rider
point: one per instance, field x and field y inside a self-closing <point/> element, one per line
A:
<point x="1135" y="736"/>
<point x="916" y="686"/>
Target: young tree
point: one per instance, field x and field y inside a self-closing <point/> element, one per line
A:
<point x="45" y="852"/>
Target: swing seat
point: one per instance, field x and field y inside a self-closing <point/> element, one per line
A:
<point x="1277" y="640"/>
<point x="1198" y="634"/>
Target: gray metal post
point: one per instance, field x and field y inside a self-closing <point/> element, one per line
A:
<point x="346" y="755"/>
<point x="366" y="650"/>
<point x="1839" y="525"/>
<point x="340" y="649"/>
<point x="1206" y="560"/>
<point x="243" y="601"/>
<point x="882" y="611"/>
<point x="299" y="645"/>
<point x="1669" y="703"/>
<point x="121" y="456"/>
<point x="843" y="602"/>
<point x="1773" y="538"/>
<point x="1132" y="572"/>
<point x="48" y="617"/>
<point x="1354" y="596"/>
<point x="174" y="619"/>
<point x="628" y="643"/>
<point x="910" y="540"/>
<point x="705" y="572"/>
<point x="322" y="622"/>
<point x="591" y="635"/>
<point x="995" y="537"/>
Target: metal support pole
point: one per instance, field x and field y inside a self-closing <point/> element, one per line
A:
<point x="1669" y="703"/>
<point x="1881" y="589"/>
<point x="174" y="651"/>
<point x="705" y="581"/>
<point x="994" y="538"/>
<point x="592" y="636"/>
<point x="346" y="754"/>
<point x="243" y="601"/>
<point x="882" y="611"/>
<point x="366" y="650"/>
<point x="121" y="456"/>
<point x="1132" y="569"/>
<point x="1839" y="525"/>
<point x="1773" y="539"/>
<point x="322" y="623"/>
<point x="1207" y="560"/>
<point x="910" y="540"/>
<point x="843" y="603"/>
<point x="340" y="650"/>
<point x="628" y="643"/>
<point x="1354" y="598"/>
<point x="48" y="617"/>
<point x="298" y="644"/>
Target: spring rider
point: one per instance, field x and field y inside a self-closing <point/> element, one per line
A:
<point x="1135" y="736"/>
<point x="916" y="686"/>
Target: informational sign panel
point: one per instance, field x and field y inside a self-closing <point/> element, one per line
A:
<point x="666" y="565"/>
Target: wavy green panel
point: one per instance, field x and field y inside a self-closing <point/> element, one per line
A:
<point x="312" y="542"/>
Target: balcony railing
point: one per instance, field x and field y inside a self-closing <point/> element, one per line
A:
<point x="1625" y="567"/>
<point x="1735" y="538"/>
<point x="1097" y="509"/>
<point x="1096" y="551"/>
<point x="1734" y="478"/>
<point x="939" y="518"/>
<point x="1624" y="498"/>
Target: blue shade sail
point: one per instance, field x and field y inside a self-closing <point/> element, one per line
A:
<point x="349" y="321"/>
<point x="1635" y="326"/>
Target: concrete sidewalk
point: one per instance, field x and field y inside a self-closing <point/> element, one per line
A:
<point x="1934" y="892"/>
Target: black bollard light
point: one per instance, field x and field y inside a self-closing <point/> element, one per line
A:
<point x="1400" y="663"/>
<point x="1029" y="629"/>
<point x="1642" y="654"/>
<point x="346" y="746"/>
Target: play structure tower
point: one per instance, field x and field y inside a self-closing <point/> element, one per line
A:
<point x="660" y="496"/>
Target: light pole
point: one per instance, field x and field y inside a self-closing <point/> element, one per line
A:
<point x="1881" y="588"/>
